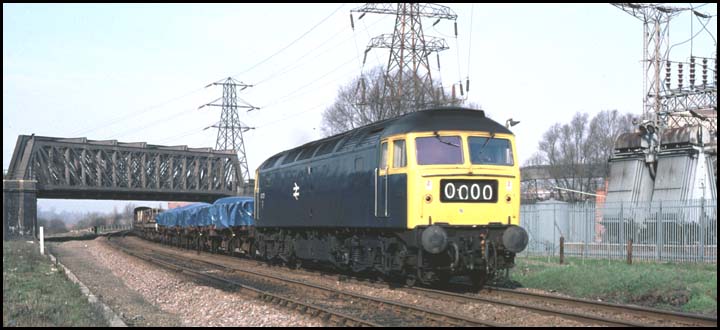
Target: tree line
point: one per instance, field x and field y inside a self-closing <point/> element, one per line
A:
<point x="54" y="223"/>
<point x="574" y="154"/>
<point x="368" y="99"/>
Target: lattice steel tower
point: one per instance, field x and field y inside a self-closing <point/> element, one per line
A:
<point x="673" y="105"/>
<point x="230" y="128"/>
<point x="691" y="102"/>
<point x="409" y="52"/>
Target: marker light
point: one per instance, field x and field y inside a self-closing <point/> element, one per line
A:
<point x="428" y="198"/>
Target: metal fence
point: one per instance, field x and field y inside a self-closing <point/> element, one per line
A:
<point x="681" y="231"/>
<point x="112" y="228"/>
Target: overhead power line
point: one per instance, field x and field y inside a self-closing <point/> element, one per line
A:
<point x="86" y="130"/>
<point x="290" y="44"/>
<point x="133" y="115"/>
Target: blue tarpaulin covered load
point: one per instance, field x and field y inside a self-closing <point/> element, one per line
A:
<point x="191" y="215"/>
<point x="182" y="216"/>
<point x="224" y="213"/>
<point x="201" y="216"/>
<point x="232" y="212"/>
<point x="169" y="218"/>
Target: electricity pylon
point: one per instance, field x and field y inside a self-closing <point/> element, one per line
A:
<point x="409" y="53"/>
<point x="230" y="128"/>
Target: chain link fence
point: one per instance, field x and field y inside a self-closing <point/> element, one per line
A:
<point x="680" y="231"/>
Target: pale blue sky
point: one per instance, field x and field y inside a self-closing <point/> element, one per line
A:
<point x="137" y="72"/>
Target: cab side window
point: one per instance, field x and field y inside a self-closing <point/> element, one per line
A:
<point x="399" y="154"/>
<point x="383" y="156"/>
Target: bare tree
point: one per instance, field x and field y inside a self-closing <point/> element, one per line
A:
<point x="605" y="127"/>
<point x="363" y="101"/>
<point x="576" y="154"/>
<point x="53" y="226"/>
<point x="128" y="213"/>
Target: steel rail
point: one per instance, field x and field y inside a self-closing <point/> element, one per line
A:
<point x="338" y="318"/>
<point x="432" y="316"/>
<point x="690" y="319"/>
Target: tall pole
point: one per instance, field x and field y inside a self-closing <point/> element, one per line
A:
<point x="230" y="128"/>
<point x="666" y="105"/>
<point x="656" y="22"/>
<point x="408" y="80"/>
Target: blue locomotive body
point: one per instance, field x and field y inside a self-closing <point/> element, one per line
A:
<point x="334" y="190"/>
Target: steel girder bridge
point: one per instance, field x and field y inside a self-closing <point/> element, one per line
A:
<point x="78" y="168"/>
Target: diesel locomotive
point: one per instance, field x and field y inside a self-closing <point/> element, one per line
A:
<point x="424" y="197"/>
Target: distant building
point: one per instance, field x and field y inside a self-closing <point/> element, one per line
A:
<point x="173" y="205"/>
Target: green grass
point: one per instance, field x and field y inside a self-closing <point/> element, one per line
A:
<point x="35" y="294"/>
<point x="679" y="287"/>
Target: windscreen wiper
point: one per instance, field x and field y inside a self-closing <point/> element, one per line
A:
<point x="437" y="136"/>
<point x="492" y="136"/>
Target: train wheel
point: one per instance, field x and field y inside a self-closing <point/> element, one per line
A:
<point x="214" y="245"/>
<point x="410" y="280"/>
<point x="294" y="262"/>
<point x="443" y="280"/>
<point x="231" y="246"/>
<point x="478" y="280"/>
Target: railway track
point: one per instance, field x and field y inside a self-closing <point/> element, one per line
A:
<point x="358" y="310"/>
<point x="647" y="315"/>
<point x="584" y="311"/>
<point x="326" y="315"/>
<point x="581" y="310"/>
<point x="580" y="317"/>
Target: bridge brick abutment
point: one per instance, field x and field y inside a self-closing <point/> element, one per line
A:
<point x="19" y="209"/>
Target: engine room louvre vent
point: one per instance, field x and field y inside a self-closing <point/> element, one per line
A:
<point x="360" y="139"/>
<point x="327" y="147"/>
<point x="370" y="139"/>
<point x="307" y="152"/>
<point x="271" y="162"/>
<point x="291" y="156"/>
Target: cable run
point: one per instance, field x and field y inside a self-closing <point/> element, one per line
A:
<point x="119" y="119"/>
<point x="288" y="46"/>
<point x="287" y="96"/>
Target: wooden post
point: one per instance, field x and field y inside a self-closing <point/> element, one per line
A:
<point x="42" y="241"/>
<point x="629" y="252"/>
<point x="562" y="249"/>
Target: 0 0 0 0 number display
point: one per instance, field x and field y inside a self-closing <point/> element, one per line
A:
<point x="481" y="191"/>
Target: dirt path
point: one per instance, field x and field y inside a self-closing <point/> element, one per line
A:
<point x="129" y="305"/>
<point x="143" y="294"/>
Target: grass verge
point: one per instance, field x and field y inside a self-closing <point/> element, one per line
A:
<point x="36" y="294"/>
<point x="679" y="287"/>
